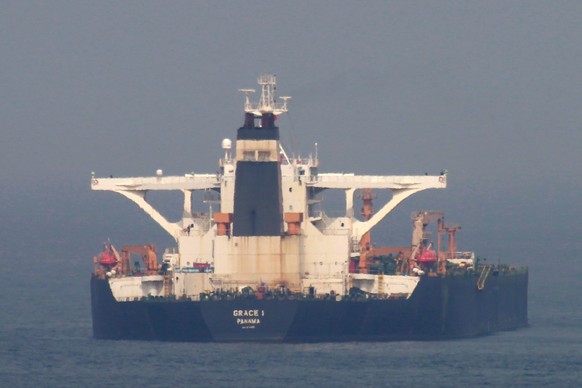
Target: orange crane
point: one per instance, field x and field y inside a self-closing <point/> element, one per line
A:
<point x="365" y="244"/>
<point x="147" y="253"/>
<point x="367" y="249"/>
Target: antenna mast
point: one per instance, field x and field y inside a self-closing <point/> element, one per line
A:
<point x="267" y="103"/>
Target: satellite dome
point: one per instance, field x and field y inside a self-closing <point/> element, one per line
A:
<point x="226" y="144"/>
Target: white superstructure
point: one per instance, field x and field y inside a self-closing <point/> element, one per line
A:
<point x="313" y="250"/>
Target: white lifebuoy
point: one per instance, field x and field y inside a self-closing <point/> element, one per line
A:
<point x="442" y="179"/>
<point x="95" y="182"/>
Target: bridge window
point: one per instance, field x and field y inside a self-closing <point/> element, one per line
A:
<point x="264" y="156"/>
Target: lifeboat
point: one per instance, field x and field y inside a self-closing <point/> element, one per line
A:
<point x="428" y="256"/>
<point x="107" y="258"/>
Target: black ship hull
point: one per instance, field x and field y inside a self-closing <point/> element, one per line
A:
<point x="439" y="308"/>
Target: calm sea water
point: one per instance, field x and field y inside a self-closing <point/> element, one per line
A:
<point x="45" y="327"/>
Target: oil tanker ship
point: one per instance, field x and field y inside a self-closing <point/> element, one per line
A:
<point x="271" y="265"/>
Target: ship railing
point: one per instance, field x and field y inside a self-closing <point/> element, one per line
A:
<point x="355" y="245"/>
<point x="325" y="219"/>
<point x="226" y="281"/>
<point x="465" y="255"/>
<point x="201" y="221"/>
<point x="309" y="161"/>
<point x="204" y="222"/>
<point x="319" y="276"/>
<point x="226" y="161"/>
<point x="327" y="225"/>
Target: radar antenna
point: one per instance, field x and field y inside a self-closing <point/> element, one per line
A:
<point x="267" y="102"/>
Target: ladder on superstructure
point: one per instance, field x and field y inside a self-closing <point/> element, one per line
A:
<point x="380" y="283"/>
<point x="167" y="285"/>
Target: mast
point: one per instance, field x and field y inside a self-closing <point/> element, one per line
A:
<point x="267" y="102"/>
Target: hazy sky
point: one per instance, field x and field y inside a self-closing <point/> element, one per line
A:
<point x="489" y="90"/>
